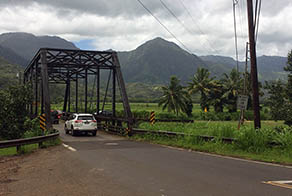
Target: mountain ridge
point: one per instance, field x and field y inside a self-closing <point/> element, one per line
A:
<point x="25" y="45"/>
<point x="153" y="62"/>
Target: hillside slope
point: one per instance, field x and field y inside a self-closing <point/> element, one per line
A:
<point x="26" y="45"/>
<point x="156" y="60"/>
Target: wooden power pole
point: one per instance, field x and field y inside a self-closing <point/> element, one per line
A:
<point x="253" y="65"/>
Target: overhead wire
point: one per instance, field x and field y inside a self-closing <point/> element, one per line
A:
<point x="235" y="2"/>
<point x="157" y="19"/>
<point x="242" y="20"/>
<point x="198" y="27"/>
<point x="182" y="24"/>
<point x="257" y="18"/>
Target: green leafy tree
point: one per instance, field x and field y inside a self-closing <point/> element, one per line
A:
<point x="276" y="90"/>
<point x="203" y="84"/>
<point x="13" y="113"/>
<point x="233" y="86"/>
<point x="216" y="96"/>
<point x="288" y="103"/>
<point x="174" y="97"/>
<point x="280" y="99"/>
<point x="288" y="68"/>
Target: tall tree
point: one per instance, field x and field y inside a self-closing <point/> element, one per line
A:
<point x="174" y="97"/>
<point x="202" y="83"/>
<point x="233" y="85"/>
<point x="288" y="104"/>
<point x="280" y="99"/>
<point x="216" y="96"/>
<point x="277" y="96"/>
<point x="288" y="68"/>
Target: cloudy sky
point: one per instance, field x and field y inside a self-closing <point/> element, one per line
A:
<point x="201" y="27"/>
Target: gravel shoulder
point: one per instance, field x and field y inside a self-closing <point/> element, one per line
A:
<point x="54" y="171"/>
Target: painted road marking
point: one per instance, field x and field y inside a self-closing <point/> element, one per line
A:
<point x="227" y="157"/>
<point x="111" y="144"/>
<point x="69" y="147"/>
<point x="283" y="183"/>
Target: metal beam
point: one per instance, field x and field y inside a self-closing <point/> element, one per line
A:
<point x="86" y="89"/>
<point x="46" y="91"/>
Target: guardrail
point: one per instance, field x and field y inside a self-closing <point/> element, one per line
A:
<point x="121" y="131"/>
<point x="176" y="134"/>
<point x="19" y="142"/>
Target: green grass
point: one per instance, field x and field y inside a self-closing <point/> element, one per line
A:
<point x="28" y="148"/>
<point x="212" y="128"/>
<point x="274" y="155"/>
<point x="250" y="143"/>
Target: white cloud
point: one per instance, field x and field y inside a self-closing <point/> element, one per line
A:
<point x="124" y="25"/>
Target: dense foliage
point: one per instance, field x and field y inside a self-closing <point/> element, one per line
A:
<point x="280" y="99"/>
<point x="13" y="113"/>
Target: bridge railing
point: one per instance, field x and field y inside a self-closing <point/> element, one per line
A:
<point x="33" y="140"/>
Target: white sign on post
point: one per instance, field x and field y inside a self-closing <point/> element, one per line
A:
<point x="242" y="102"/>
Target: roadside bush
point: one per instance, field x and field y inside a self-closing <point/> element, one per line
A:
<point x="283" y="137"/>
<point x="252" y="140"/>
<point x="288" y="114"/>
<point x="13" y="111"/>
<point x="32" y="128"/>
<point x="141" y="114"/>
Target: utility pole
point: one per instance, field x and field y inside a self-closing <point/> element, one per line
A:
<point x="253" y="65"/>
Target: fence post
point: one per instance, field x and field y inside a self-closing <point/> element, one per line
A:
<point x="18" y="149"/>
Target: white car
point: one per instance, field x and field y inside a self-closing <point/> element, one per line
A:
<point x="81" y="123"/>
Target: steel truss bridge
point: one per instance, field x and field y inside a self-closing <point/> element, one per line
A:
<point x="63" y="66"/>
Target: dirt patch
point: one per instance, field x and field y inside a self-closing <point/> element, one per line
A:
<point x="16" y="169"/>
<point x="9" y="166"/>
<point x="55" y="171"/>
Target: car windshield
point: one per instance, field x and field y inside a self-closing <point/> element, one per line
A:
<point x="85" y="118"/>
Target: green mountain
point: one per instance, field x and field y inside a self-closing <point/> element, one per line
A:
<point x="12" y="57"/>
<point x="25" y="45"/>
<point x="156" y="60"/>
<point x="153" y="62"/>
<point x="269" y="67"/>
<point x="8" y="73"/>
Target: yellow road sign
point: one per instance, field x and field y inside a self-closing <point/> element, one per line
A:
<point x="152" y="117"/>
<point x="43" y="122"/>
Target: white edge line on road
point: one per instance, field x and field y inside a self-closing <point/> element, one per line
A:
<point x="283" y="183"/>
<point x="245" y="160"/>
<point x="69" y="147"/>
<point x="227" y="157"/>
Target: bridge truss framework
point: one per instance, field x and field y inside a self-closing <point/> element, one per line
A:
<point x="64" y="66"/>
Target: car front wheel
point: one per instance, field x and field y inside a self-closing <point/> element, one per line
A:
<point x="66" y="130"/>
<point x="73" y="132"/>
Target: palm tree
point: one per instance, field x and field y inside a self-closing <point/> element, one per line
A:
<point x="216" y="96"/>
<point x="203" y="84"/>
<point x="174" y="97"/>
<point x="233" y="86"/>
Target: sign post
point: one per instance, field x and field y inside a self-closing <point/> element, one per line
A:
<point x="242" y="101"/>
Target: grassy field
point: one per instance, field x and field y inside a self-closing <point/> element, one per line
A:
<point x="273" y="155"/>
<point x="27" y="148"/>
<point x="119" y="106"/>
<point x="212" y="128"/>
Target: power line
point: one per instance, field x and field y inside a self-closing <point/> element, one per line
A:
<point x="235" y="2"/>
<point x="164" y="26"/>
<point x="173" y="14"/>
<point x="257" y="18"/>
<point x="200" y="30"/>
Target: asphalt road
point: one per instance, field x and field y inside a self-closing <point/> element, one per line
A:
<point x="148" y="169"/>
